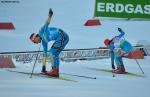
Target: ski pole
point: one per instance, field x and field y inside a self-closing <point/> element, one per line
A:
<point x="137" y="62"/>
<point x="35" y="61"/>
<point x="139" y="66"/>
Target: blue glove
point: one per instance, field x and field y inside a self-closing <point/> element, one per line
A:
<point x="50" y="12"/>
<point x="119" y="29"/>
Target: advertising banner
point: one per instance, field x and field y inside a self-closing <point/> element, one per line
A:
<point x="123" y="8"/>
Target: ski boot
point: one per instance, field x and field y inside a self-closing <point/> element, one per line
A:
<point x="121" y="70"/>
<point x="54" y="72"/>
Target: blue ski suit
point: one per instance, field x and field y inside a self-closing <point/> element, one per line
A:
<point x="53" y="34"/>
<point x="117" y="44"/>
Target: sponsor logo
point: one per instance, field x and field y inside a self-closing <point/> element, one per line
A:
<point x="123" y="8"/>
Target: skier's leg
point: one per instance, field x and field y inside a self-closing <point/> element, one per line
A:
<point x="54" y="63"/>
<point x="52" y="57"/>
<point x="55" y="51"/>
<point x="117" y="60"/>
<point x="57" y="47"/>
<point x="119" y="63"/>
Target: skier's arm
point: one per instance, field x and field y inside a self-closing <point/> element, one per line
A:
<point x="43" y="29"/>
<point x="44" y="48"/>
<point x="50" y="14"/>
<point x="49" y="20"/>
<point x="122" y="33"/>
<point x="44" y="52"/>
<point x="45" y="26"/>
<point x="112" y="59"/>
<point x="111" y="47"/>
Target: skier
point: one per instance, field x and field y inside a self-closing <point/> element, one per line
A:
<point x="45" y="35"/>
<point x="119" y="48"/>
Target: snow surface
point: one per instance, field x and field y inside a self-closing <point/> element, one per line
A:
<point x="70" y="15"/>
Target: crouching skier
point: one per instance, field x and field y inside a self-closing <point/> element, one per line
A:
<point x="119" y="48"/>
<point x="45" y="35"/>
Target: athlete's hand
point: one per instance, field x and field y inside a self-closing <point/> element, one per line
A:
<point x="50" y="12"/>
<point x="119" y="29"/>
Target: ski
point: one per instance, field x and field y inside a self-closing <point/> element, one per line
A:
<point x="110" y="71"/>
<point x="82" y="76"/>
<point x="41" y="75"/>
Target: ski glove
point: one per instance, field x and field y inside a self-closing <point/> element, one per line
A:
<point x="50" y="12"/>
<point x="119" y="29"/>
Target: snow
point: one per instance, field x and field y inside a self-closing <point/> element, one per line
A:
<point x="28" y="16"/>
<point x="16" y="85"/>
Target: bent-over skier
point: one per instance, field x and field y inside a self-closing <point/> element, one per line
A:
<point x="45" y="35"/>
<point x="119" y="48"/>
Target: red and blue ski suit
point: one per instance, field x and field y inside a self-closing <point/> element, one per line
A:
<point x="118" y="45"/>
<point x="53" y="34"/>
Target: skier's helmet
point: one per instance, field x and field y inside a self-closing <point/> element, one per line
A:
<point x="106" y="42"/>
<point x="33" y="36"/>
